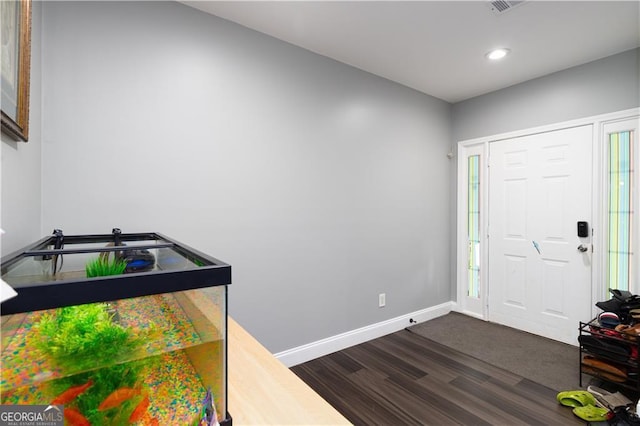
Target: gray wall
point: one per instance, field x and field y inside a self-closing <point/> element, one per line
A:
<point x="607" y="85"/>
<point x="321" y="184"/>
<point x="21" y="167"/>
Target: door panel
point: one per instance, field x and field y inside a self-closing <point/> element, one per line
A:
<point x="540" y="187"/>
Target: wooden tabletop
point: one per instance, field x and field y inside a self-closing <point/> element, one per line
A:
<point x="262" y="391"/>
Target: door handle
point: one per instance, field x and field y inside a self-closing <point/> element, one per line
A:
<point x="582" y="248"/>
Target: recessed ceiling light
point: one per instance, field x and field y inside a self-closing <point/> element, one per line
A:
<point x="496" y="54"/>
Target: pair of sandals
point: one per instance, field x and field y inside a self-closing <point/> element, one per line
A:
<point x="594" y="404"/>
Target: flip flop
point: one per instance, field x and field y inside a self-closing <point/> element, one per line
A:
<point x="591" y="413"/>
<point x="611" y="400"/>
<point x="576" y="398"/>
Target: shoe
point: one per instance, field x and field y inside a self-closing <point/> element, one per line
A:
<point x="576" y="398"/>
<point x="624" y="416"/>
<point x="610" y="400"/>
<point x="600" y="368"/>
<point x="592" y="414"/>
<point x="614" y="350"/>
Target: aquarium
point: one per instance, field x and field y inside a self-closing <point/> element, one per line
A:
<point x="118" y="329"/>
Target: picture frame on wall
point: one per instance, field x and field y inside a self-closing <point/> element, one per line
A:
<point x="15" y="16"/>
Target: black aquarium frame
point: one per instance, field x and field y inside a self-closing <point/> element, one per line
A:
<point x="211" y="272"/>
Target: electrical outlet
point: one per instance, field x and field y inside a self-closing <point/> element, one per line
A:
<point x="382" y="300"/>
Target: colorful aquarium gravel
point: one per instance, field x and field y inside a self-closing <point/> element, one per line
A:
<point x="161" y="312"/>
<point x="177" y="390"/>
<point x="163" y="381"/>
<point x="22" y="363"/>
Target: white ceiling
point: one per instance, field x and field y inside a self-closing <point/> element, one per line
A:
<point x="438" y="47"/>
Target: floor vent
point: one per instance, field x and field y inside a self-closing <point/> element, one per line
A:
<point x="499" y="7"/>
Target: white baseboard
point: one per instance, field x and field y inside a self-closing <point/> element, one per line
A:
<point x="456" y="308"/>
<point x="313" y="350"/>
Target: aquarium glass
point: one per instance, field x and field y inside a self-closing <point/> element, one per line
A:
<point x="42" y="269"/>
<point x="156" y="359"/>
<point x="118" y="328"/>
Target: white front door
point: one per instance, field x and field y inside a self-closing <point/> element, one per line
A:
<point x="539" y="274"/>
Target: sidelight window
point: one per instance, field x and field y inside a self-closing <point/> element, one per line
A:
<point x="621" y="212"/>
<point x="473" y="225"/>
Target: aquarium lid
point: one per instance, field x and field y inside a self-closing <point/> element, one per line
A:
<point x="53" y="272"/>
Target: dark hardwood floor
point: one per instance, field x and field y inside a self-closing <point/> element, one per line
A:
<point x="406" y="379"/>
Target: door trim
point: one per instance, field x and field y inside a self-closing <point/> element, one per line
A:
<point x="598" y="291"/>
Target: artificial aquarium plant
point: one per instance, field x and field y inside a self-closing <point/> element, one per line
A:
<point x="80" y="338"/>
<point x="77" y="335"/>
<point x="103" y="397"/>
<point x="102" y="266"/>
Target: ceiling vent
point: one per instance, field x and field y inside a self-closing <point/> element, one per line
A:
<point x="499" y="7"/>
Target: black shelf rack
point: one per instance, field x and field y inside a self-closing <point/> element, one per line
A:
<point x="606" y="348"/>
